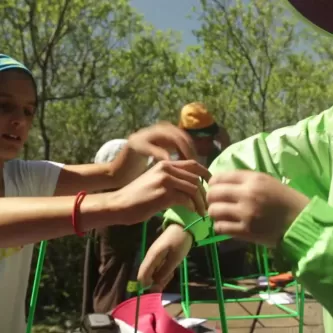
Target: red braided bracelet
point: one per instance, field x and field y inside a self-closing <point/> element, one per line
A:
<point x="76" y="212"/>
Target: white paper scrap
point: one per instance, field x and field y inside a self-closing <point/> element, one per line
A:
<point x="278" y="298"/>
<point x="170" y="298"/>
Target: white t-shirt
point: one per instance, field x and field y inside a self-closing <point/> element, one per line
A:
<point x="21" y="179"/>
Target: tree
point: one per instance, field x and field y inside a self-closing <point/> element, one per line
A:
<point x="249" y="51"/>
<point x="65" y="45"/>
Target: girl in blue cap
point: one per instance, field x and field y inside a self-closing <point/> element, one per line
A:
<point x="24" y="221"/>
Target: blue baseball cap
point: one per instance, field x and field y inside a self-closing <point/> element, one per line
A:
<point x="7" y="62"/>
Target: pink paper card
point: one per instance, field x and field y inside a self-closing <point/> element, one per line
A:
<point x="153" y="318"/>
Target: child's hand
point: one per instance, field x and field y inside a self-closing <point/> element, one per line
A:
<point x="163" y="257"/>
<point x="253" y="206"/>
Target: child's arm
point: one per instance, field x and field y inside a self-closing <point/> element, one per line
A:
<point x="29" y="220"/>
<point x="155" y="141"/>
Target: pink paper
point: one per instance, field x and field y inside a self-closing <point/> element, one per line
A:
<point x="153" y="318"/>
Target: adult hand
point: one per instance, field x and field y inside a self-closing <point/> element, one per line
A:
<point x="253" y="206"/>
<point x="166" y="184"/>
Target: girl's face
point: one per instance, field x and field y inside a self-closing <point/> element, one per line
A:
<point x="17" y="109"/>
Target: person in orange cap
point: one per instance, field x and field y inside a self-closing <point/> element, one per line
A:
<point x="209" y="139"/>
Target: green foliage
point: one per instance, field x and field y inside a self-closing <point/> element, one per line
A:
<point x="253" y="70"/>
<point x="91" y="60"/>
<point x="60" y="292"/>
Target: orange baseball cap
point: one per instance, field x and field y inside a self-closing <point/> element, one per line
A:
<point x="197" y="121"/>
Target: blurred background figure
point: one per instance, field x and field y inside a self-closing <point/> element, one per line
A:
<point x="111" y="266"/>
<point x="210" y="140"/>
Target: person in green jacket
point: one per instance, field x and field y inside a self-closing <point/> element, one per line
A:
<point x="281" y="196"/>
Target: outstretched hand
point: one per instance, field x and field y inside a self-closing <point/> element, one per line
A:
<point x="160" y="140"/>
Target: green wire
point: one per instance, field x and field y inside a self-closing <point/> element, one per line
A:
<point x="140" y="288"/>
<point x="201" y="218"/>
<point x="36" y="283"/>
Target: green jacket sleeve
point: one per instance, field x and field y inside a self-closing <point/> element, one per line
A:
<point x="308" y="247"/>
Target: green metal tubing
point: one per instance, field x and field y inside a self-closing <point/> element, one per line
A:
<point x="35" y="287"/>
<point x="263" y="267"/>
<point x="219" y="284"/>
